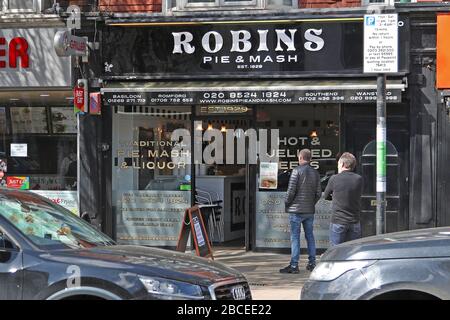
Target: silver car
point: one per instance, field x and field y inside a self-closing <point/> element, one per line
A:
<point x="402" y="265"/>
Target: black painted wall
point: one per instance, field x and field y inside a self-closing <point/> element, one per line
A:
<point x="423" y="121"/>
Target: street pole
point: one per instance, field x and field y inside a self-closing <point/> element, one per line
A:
<point x="381" y="154"/>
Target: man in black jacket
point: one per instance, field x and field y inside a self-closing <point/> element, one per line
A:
<point x="302" y="195"/>
<point x="346" y="189"/>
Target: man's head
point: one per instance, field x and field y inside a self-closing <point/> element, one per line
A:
<point x="347" y="162"/>
<point x="304" y="156"/>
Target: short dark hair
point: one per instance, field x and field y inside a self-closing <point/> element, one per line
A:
<point x="305" y="154"/>
<point x="348" y="160"/>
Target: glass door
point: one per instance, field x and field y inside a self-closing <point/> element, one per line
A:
<point x="222" y="173"/>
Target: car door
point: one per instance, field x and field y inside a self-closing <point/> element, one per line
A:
<point x="10" y="269"/>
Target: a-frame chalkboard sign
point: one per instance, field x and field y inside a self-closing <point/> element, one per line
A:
<point x="193" y="219"/>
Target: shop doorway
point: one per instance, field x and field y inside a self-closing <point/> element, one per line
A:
<point x="223" y="176"/>
<point x="360" y="131"/>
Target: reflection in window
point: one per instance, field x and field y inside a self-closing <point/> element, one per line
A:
<point x="317" y="129"/>
<point x="27" y="5"/>
<point x="151" y="173"/>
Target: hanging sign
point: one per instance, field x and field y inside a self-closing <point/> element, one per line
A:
<point x="80" y="96"/>
<point x="66" y="44"/>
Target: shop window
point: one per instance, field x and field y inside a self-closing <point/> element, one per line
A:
<point x="39" y="147"/>
<point x="151" y="173"/>
<point x="21" y="6"/>
<point x="273" y="174"/>
<point x="324" y="143"/>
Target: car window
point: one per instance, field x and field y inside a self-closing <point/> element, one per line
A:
<point x="48" y="225"/>
<point x="5" y="242"/>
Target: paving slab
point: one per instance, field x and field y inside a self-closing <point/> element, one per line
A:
<point x="262" y="273"/>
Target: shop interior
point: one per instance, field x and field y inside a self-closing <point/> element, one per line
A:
<point x="39" y="146"/>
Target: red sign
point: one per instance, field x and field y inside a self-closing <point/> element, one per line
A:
<point x="78" y="98"/>
<point x="16" y="50"/>
<point x="18" y="182"/>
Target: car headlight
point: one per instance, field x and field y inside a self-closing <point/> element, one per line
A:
<point x="327" y="271"/>
<point x="171" y="289"/>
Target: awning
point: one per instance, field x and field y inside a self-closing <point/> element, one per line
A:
<point x="248" y="92"/>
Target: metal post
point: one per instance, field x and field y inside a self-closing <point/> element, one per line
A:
<point x="381" y="154"/>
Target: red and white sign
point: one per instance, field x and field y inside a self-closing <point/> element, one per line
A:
<point x="80" y="96"/>
<point x="66" y="44"/>
<point x="18" y="182"/>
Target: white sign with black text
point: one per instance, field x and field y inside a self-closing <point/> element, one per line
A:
<point x="381" y="43"/>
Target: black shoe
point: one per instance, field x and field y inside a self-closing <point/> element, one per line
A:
<point x="289" y="269"/>
<point x="310" y="266"/>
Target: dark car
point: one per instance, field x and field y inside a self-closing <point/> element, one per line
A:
<point x="46" y="252"/>
<point x="403" y="265"/>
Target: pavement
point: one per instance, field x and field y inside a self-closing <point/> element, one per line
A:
<point x="262" y="272"/>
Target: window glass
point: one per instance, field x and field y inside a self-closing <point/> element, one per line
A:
<point x="47" y="225"/>
<point x="39" y="147"/>
<point x="5" y="242"/>
<point x="201" y="1"/>
<point x="281" y="3"/>
<point x="151" y="173"/>
<point x="20" y="4"/>
<point x="315" y="127"/>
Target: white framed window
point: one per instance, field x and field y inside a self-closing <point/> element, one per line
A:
<point x="378" y="2"/>
<point x="232" y="4"/>
<point x="20" y="6"/>
<point x="187" y="4"/>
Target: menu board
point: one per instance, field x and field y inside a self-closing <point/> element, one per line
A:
<point x="152" y="217"/>
<point x="64" y="120"/>
<point x="29" y="120"/>
<point x="3" y="127"/>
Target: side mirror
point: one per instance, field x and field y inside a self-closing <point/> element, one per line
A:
<point x="86" y="217"/>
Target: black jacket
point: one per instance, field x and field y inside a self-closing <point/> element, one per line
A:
<point x="303" y="190"/>
<point x="346" y="189"/>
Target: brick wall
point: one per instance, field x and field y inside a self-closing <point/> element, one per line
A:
<point x="130" y="5"/>
<point x="328" y="3"/>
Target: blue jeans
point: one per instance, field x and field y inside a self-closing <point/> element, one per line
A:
<point x="340" y="233"/>
<point x="295" y="221"/>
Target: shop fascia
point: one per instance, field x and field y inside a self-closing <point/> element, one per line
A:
<point x="242" y="42"/>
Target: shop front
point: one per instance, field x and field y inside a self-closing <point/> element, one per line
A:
<point x="216" y="113"/>
<point x="38" y="128"/>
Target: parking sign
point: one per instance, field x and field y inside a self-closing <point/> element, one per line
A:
<point x="381" y="43"/>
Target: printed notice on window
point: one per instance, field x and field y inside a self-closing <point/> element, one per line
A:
<point x="380" y="43"/>
<point x="19" y="150"/>
<point x="268" y="172"/>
